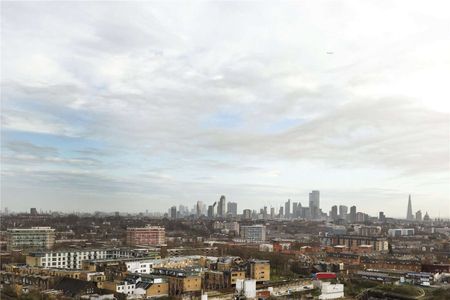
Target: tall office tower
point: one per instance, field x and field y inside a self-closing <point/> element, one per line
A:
<point x="265" y="213"/>
<point x="272" y="213"/>
<point x="419" y="215"/>
<point x="247" y="214"/>
<point x="173" y="212"/>
<point x="334" y="212"/>
<point x="287" y="209"/>
<point x="281" y="212"/>
<point x="232" y="208"/>
<point x="381" y="217"/>
<point x="183" y="210"/>
<point x="198" y="208"/>
<point x="211" y="210"/>
<point x="222" y="207"/>
<point x="409" y="214"/>
<point x="314" y="204"/>
<point x="294" y="209"/>
<point x="343" y="210"/>
<point x="33" y="211"/>
<point x="352" y="216"/>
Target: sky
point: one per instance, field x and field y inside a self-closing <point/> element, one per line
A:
<point x="134" y="106"/>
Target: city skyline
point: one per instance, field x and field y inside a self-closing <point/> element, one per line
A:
<point x="165" y="104"/>
<point x="232" y="210"/>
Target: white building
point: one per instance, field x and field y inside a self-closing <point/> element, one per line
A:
<point x="331" y="291"/>
<point x="253" y="233"/>
<point x="400" y="232"/>
<point x="126" y="287"/>
<point x="144" y="267"/>
<point x="246" y="287"/>
<point x="70" y="259"/>
<point x="266" y="247"/>
<point x="73" y="258"/>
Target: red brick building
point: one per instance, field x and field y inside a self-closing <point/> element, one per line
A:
<point x="146" y="236"/>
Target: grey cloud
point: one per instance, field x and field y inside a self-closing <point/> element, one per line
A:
<point x="141" y="87"/>
<point x="387" y="133"/>
<point x="22" y="147"/>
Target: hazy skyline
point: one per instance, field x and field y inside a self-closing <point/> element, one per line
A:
<point x="131" y="106"/>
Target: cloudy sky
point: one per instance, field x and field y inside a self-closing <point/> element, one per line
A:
<point x="133" y="106"/>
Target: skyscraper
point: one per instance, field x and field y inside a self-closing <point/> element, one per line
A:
<point x="212" y="210"/>
<point x="343" y="210"/>
<point x="294" y="209"/>
<point x="232" y="208"/>
<point x="247" y="214"/>
<point x="419" y="215"/>
<point x="287" y="209"/>
<point x="173" y="212"/>
<point x="352" y="216"/>
<point x="199" y="208"/>
<point x="381" y="217"/>
<point x="222" y="207"/>
<point x="334" y="212"/>
<point x="409" y="213"/>
<point x="314" y="204"/>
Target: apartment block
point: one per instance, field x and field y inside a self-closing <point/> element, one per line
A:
<point x="255" y="233"/>
<point x="30" y="238"/>
<point x="146" y="236"/>
<point x="258" y="270"/>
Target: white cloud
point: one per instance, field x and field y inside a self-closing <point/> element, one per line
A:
<point x="141" y="78"/>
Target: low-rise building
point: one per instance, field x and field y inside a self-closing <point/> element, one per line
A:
<point x="187" y="282"/>
<point x="258" y="270"/>
<point x="216" y="280"/>
<point x="401" y="232"/>
<point x="379" y="244"/>
<point x="73" y="258"/>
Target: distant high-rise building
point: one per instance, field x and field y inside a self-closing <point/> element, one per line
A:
<point x="334" y="212"/>
<point x="183" y="211"/>
<point x="352" y="216"/>
<point x="361" y="217"/>
<point x="247" y="214"/>
<point x="381" y="217"/>
<point x="343" y="210"/>
<point x="222" y="207"/>
<point x="33" y="211"/>
<point x="272" y="212"/>
<point x="418" y="215"/>
<point x="294" y="209"/>
<point x="212" y="210"/>
<point x="409" y="213"/>
<point x="173" y="212"/>
<point x="281" y="212"/>
<point x="314" y="204"/>
<point x="265" y="212"/>
<point x="232" y="208"/>
<point x="287" y="209"/>
<point x="198" y="208"/>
